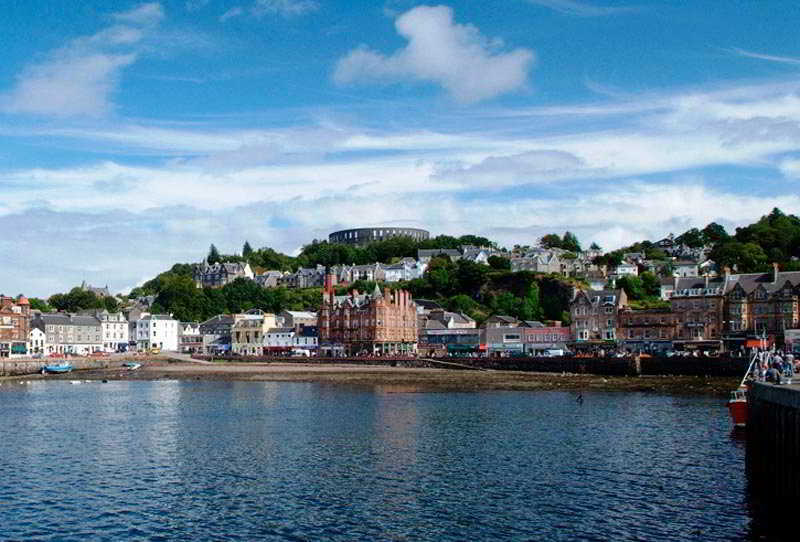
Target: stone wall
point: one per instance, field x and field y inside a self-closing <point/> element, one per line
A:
<point x="27" y="367"/>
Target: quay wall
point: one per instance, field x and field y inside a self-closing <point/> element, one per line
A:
<point x="773" y="440"/>
<point x="606" y="366"/>
<point x="28" y="367"/>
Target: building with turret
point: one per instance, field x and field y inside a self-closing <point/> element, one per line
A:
<point x="379" y="323"/>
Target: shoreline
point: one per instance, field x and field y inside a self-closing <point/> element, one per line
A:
<point x="401" y="379"/>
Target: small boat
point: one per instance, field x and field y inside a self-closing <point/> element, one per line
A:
<point x="737" y="404"/>
<point x="131" y="365"/>
<point x="57" y="368"/>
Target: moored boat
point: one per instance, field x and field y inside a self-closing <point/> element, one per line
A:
<point x="737" y="404"/>
<point x="57" y="368"/>
<point x="131" y="365"/>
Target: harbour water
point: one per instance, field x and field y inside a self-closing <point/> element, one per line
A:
<point x="199" y="460"/>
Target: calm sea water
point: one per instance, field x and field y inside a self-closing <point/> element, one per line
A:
<point x="245" y="461"/>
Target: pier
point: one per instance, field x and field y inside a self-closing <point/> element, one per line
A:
<point x="773" y="439"/>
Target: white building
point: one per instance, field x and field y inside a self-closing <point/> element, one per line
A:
<point x="626" y="268"/>
<point x="37" y="340"/>
<point x="405" y="269"/>
<point x="115" y="330"/>
<point x="157" y="331"/>
<point x="284" y="340"/>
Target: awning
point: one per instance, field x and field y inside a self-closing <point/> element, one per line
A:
<point x="760" y="343"/>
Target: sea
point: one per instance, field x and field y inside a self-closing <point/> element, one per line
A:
<point x="203" y="460"/>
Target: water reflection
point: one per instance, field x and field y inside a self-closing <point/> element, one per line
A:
<point x="240" y="460"/>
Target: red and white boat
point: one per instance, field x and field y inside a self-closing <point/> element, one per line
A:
<point x="737" y="404"/>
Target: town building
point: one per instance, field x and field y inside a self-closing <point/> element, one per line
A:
<point x="216" y="275"/>
<point x="541" y="339"/>
<point x="378" y="323"/>
<point x="504" y="340"/>
<point x="594" y="315"/>
<point x="304" y="277"/>
<point x="404" y="270"/>
<point x="697" y="304"/>
<point x="116" y="331"/>
<point x="77" y="334"/>
<point x="37" y="339"/>
<point x="269" y="279"/>
<point x="647" y="330"/>
<point x="437" y="340"/>
<point x="157" y="331"/>
<point x="365" y="236"/>
<point x="216" y="334"/>
<point x="248" y="331"/>
<point x="15" y="316"/>
<point x="190" y="340"/>
<point x="99" y="292"/>
<point x="501" y="320"/>
<point x="295" y="319"/>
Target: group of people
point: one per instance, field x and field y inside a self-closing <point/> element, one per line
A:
<point x="774" y="367"/>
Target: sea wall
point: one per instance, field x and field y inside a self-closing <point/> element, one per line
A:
<point x="606" y="366"/>
<point x="27" y="367"/>
<point x="773" y="440"/>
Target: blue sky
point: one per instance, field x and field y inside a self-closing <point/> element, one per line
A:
<point x="133" y="135"/>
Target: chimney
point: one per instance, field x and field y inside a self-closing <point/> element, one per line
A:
<point x="775" y="272"/>
<point x="726" y="271"/>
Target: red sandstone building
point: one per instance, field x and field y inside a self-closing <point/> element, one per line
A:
<point x="15" y="318"/>
<point x="359" y="323"/>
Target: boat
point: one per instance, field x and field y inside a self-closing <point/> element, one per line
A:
<point x="57" y="368"/>
<point x="737" y="404"/>
<point x="131" y="365"/>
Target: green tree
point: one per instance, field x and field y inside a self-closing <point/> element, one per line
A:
<point x="39" y="305"/>
<point x="633" y="286"/>
<point x="213" y="255"/>
<point x="570" y="242"/>
<point x="714" y="234"/>
<point x="595" y="246"/>
<point x="693" y="238"/>
<point x="551" y="240"/>
<point x="650" y="284"/>
<point x="499" y="263"/>
<point x="247" y="250"/>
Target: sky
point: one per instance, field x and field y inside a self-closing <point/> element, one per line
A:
<point x="133" y="135"/>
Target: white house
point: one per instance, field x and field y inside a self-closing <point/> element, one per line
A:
<point x="685" y="268"/>
<point x="37" y="340"/>
<point x="626" y="268"/>
<point x="279" y="340"/>
<point x="157" y="331"/>
<point x="115" y="330"/>
<point x="406" y="269"/>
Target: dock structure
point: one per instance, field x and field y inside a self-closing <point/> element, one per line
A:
<point x="773" y="439"/>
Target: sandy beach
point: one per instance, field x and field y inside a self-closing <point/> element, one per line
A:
<point x="400" y="379"/>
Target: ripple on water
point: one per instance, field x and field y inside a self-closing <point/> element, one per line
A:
<point x="244" y="461"/>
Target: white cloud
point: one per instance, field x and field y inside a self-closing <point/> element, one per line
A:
<point x="457" y="57"/>
<point x="150" y="13"/>
<point x="283" y="8"/>
<point x="525" y="168"/>
<point x="771" y="58"/>
<point x="80" y="78"/>
<point x="581" y="9"/>
<point x="231" y="13"/>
